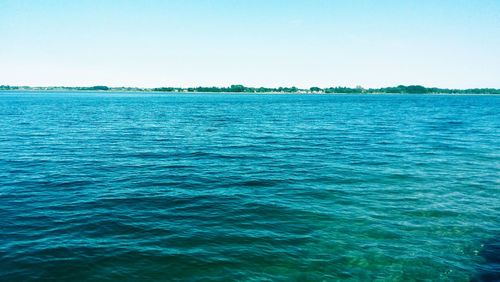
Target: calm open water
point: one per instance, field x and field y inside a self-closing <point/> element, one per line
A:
<point x="138" y="186"/>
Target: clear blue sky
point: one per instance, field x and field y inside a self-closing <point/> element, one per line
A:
<point x="445" y="43"/>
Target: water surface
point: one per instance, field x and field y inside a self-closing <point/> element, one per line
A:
<point x="138" y="186"/>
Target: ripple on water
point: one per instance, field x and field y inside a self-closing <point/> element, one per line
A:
<point x="98" y="186"/>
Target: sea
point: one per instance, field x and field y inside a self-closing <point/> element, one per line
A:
<point x="125" y="186"/>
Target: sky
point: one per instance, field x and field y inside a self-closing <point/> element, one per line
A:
<point x="182" y="43"/>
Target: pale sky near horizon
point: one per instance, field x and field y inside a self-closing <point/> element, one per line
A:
<point x="454" y="44"/>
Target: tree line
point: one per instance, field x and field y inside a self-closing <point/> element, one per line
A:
<point x="401" y="89"/>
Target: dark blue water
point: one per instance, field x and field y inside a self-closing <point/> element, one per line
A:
<point x="134" y="186"/>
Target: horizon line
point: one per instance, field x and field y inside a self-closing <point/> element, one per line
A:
<point x="242" y="85"/>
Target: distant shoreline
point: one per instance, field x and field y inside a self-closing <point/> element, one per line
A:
<point x="242" y="93"/>
<point x="240" y="89"/>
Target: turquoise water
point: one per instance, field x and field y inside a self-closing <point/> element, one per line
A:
<point x="137" y="186"/>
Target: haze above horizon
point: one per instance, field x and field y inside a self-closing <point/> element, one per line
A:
<point x="450" y="44"/>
